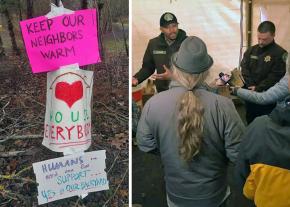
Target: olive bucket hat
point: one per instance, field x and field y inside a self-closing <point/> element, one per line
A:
<point x="192" y="56"/>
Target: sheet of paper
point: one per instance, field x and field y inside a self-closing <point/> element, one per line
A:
<point x="71" y="175"/>
<point x="68" y="110"/>
<point x="58" y="10"/>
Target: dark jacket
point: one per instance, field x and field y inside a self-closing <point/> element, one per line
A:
<point x="263" y="67"/>
<point x="202" y="183"/>
<point x="157" y="54"/>
<point x="263" y="164"/>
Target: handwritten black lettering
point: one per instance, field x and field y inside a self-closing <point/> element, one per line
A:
<point x="65" y="21"/>
<point x="80" y="19"/>
<point x="49" y="23"/>
<point x="44" y="25"/>
<point x="57" y="38"/>
<point x="80" y="35"/>
<point x="69" y="36"/>
<point x="73" y="21"/>
<point x="61" y="164"/>
<point x="57" y="53"/>
<point x="29" y="30"/>
<point x="62" y="37"/>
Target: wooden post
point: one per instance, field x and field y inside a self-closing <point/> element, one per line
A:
<point x="249" y="26"/>
<point x="29" y="4"/>
<point x="11" y="31"/>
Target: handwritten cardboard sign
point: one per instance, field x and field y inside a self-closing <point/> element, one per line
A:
<point x="63" y="40"/>
<point x="71" y="175"/>
<point x="68" y="109"/>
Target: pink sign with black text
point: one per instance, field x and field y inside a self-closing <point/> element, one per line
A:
<point x="62" y="40"/>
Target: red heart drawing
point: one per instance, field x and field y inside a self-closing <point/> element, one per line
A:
<point x="69" y="93"/>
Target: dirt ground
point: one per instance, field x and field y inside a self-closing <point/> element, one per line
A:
<point x="22" y="110"/>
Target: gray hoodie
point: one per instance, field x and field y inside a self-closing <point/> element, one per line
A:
<point x="203" y="181"/>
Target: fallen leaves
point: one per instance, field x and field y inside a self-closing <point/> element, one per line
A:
<point x="123" y="193"/>
<point x="120" y="140"/>
<point x="12" y="165"/>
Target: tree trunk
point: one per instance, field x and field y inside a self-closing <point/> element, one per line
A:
<point x="29" y="9"/>
<point x="57" y="2"/>
<point x="11" y="31"/>
<point x="84" y="4"/>
<point x="100" y="35"/>
<point x="106" y="19"/>
<point x="2" y="51"/>
<point x="98" y="6"/>
<point x="19" y="5"/>
<point x="125" y="38"/>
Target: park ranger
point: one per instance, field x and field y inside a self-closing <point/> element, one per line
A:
<point x="158" y="53"/>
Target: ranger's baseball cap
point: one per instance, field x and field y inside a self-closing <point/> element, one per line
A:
<point x="167" y="18"/>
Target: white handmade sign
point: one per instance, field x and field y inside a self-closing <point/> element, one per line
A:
<point x="68" y="109"/>
<point x="70" y="176"/>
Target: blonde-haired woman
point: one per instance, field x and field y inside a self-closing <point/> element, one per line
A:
<point x="197" y="132"/>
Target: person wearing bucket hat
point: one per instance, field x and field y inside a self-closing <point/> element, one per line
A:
<point x="158" y="53"/>
<point x="193" y="57"/>
<point x="196" y="132"/>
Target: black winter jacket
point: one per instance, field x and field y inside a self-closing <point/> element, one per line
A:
<point x="263" y="164"/>
<point x="263" y="67"/>
<point x="157" y="54"/>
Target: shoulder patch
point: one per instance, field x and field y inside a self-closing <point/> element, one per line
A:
<point x="284" y="57"/>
